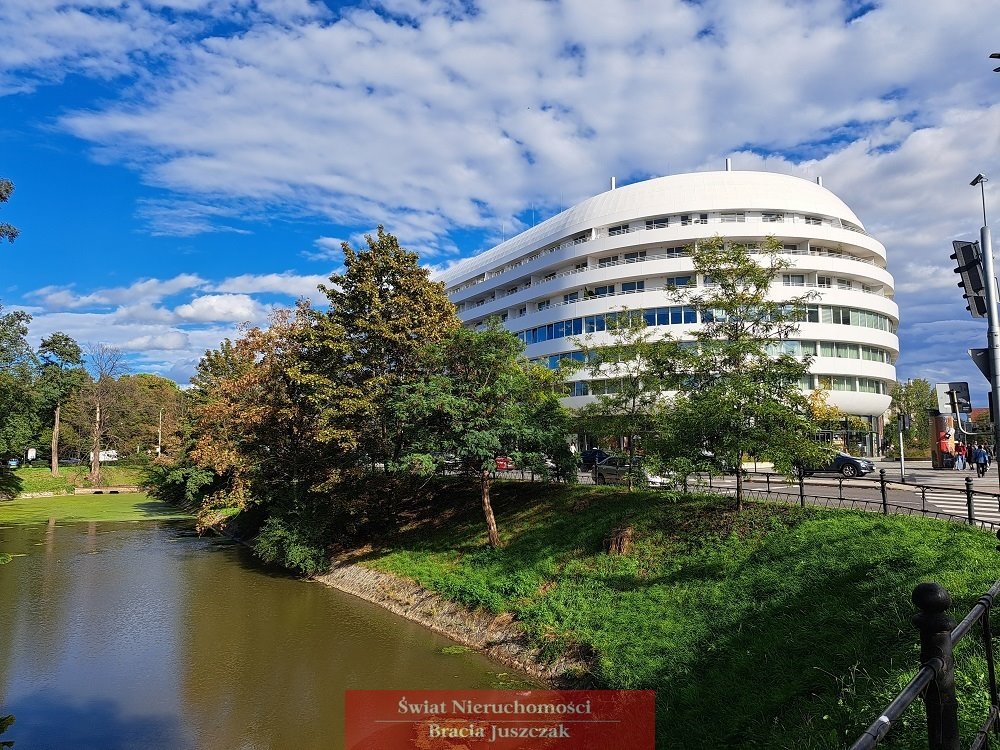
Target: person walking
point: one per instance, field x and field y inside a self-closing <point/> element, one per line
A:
<point x="961" y="453"/>
<point x="982" y="461"/>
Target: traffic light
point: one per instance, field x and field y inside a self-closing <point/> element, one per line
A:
<point x="970" y="267"/>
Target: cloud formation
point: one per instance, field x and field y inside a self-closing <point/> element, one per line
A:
<point x="455" y="123"/>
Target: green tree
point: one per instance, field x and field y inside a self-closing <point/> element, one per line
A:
<point x="7" y="231"/>
<point x="631" y="370"/>
<point x="741" y="394"/>
<point x="479" y="399"/>
<point x="912" y="399"/>
<point x="383" y="309"/>
<point x="101" y="399"/>
<point x="153" y="407"/>
<point x="18" y="395"/>
<point x="61" y="374"/>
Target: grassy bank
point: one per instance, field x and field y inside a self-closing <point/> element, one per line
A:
<point x="29" y="479"/>
<point x="68" y="508"/>
<point x="777" y="628"/>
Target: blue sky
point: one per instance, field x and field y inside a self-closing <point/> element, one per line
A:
<point x="183" y="166"/>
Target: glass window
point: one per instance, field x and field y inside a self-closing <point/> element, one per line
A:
<point x="580" y="266"/>
<point x="658" y="223"/>
<point x="824" y="282"/>
<point x="827" y="349"/>
<point x="675" y="316"/>
<point x="633" y="286"/>
<point x="543" y="305"/>
<point x="620" y="229"/>
<point x="690" y="315"/>
<point x="772" y="216"/>
<point x="571" y="297"/>
<point x="541" y="334"/>
<point x="604" y="291"/>
<point x="729" y="217"/>
<point x="600" y="322"/>
<point x="649" y="316"/>
<point x="844" y="284"/>
<point x="793" y="279"/>
<point x="577" y="326"/>
<point x="635" y="257"/>
<point x="558" y="330"/>
<point x="662" y="316"/>
<point x="685" y="220"/>
<point x="815" y="220"/>
<point x="678" y="281"/>
<point x="608" y="260"/>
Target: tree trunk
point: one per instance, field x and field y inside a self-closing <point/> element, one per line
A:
<point x="491" y="522"/>
<point x="55" y="442"/>
<point x="95" y="449"/>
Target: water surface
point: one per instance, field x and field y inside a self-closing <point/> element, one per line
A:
<point x="143" y="635"/>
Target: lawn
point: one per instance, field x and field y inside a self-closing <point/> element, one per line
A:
<point x="40" y="479"/>
<point x="124" y="507"/>
<point x="777" y="628"/>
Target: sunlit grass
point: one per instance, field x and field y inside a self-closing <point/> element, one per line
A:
<point x="105" y="507"/>
<point x="776" y="628"/>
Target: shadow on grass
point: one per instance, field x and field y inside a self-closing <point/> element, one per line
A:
<point x="10" y="484"/>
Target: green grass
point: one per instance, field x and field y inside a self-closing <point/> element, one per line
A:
<point x="40" y="479"/>
<point x="777" y="628"/>
<point x="124" y="507"/>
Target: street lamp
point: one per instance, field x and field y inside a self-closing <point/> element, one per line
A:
<point x="995" y="56"/>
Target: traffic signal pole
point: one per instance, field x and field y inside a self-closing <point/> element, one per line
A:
<point x="993" y="329"/>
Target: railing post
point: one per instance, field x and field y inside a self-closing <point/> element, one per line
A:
<point x="935" y="626"/>
<point x="923" y="499"/>
<point x="802" y="485"/>
<point x="968" y="500"/>
<point x="885" y="502"/>
<point x="840" y="488"/>
<point x="767" y="476"/>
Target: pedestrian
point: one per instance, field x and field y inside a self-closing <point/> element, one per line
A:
<point x="982" y="461"/>
<point x="961" y="452"/>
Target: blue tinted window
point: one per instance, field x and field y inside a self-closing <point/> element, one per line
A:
<point x="649" y="316"/>
<point x="600" y="322"/>
<point x="590" y="324"/>
<point x="675" y="316"/>
<point x="662" y="316"/>
<point x="690" y="316"/>
<point x="577" y="326"/>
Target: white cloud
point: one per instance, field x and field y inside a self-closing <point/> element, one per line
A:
<point x="167" y="341"/>
<point x="458" y="121"/>
<point x="287" y="283"/>
<point x="236" y="308"/>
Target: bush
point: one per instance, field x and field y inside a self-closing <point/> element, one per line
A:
<point x="292" y="544"/>
<point x="181" y="485"/>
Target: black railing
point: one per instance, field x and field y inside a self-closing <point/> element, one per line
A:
<point x="935" y="681"/>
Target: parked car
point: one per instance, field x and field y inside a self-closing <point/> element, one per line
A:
<point x="13" y="463"/>
<point x="592" y="456"/>
<point x="615" y="470"/>
<point x="847" y="466"/>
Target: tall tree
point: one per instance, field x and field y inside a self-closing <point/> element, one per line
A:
<point x="61" y="359"/>
<point x="18" y="395"/>
<point x="631" y="370"/>
<point x="480" y="399"/>
<point x="739" y="397"/>
<point x="7" y="231"/>
<point x="383" y="309"/>
<point x="102" y="396"/>
<point x="153" y="405"/>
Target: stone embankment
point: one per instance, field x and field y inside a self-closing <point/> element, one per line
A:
<point x="497" y="636"/>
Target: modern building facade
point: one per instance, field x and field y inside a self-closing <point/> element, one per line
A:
<point x="627" y="247"/>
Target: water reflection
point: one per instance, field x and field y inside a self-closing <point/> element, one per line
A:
<point x="143" y="635"/>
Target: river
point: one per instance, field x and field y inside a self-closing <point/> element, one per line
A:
<point x="126" y="636"/>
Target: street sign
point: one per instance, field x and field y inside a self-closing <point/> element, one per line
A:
<point x="953" y="398"/>
<point x="982" y="359"/>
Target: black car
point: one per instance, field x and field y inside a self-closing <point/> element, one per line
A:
<point x="592" y="456"/>
<point x="848" y="466"/>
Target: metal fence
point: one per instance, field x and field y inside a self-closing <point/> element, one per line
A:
<point x="935" y="681"/>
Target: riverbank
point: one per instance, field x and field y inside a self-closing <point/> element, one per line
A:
<point x="779" y="627"/>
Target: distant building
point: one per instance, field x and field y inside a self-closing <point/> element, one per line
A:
<point x="625" y="247"/>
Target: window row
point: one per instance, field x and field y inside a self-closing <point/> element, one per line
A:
<point x="684" y="315"/>
<point x="807" y="383"/>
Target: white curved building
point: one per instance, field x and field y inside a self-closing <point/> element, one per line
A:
<point x="626" y="246"/>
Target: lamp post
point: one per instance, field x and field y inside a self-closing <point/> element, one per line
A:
<point x="990" y="289"/>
